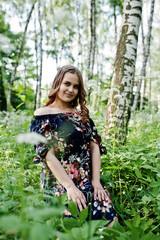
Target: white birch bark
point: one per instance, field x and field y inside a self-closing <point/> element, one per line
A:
<point x="115" y="25"/>
<point x="41" y="56"/>
<point x="119" y="104"/>
<point x="79" y="43"/>
<point x="36" y="60"/>
<point x="89" y="39"/>
<point x="146" y="52"/>
<point x="94" y="38"/>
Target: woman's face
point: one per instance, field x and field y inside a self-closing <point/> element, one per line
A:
<point x="69" y="87"/>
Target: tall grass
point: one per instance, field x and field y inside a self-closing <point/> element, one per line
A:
<point x="131" y="173"/>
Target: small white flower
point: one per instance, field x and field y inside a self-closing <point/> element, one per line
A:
<point x="32" y="138"/>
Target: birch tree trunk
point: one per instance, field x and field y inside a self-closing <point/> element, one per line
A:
<point x="94" y="38"/>
<point x="89" y="39"/>
<point x="41" y="57"/>
<point x="147" y="50"/>
<point x="119" y="104"/>
<point x="79" y="53"/>
<point x="145" y="60"/>
<point x="54" y="35"/>
<point x="20" y="49"/>
<point x="137" y="94"/>
<point x="37" y="67"/>
<point x="115" y="25"/>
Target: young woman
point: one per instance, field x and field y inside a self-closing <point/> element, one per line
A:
<point x="71" y="157"/>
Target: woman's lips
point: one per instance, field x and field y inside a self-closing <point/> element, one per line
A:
<point x="69" y="95"/>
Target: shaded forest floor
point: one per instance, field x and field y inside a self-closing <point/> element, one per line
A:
<point x="131" y="173"/>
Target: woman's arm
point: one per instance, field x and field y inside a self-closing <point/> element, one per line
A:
<point x="96" y="165"/>
<point x="73" y="192"/>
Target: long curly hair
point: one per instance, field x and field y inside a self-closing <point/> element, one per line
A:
<point x="80" y="98"/>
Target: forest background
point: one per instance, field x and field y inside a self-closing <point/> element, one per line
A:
<point x="116" y="46"/>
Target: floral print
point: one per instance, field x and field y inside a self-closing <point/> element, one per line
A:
<point x="70" y="139"/>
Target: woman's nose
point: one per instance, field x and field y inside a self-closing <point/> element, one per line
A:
<point x="70" y="88"/>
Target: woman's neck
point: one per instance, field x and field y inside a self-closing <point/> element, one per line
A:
<point x="61" y="106"/>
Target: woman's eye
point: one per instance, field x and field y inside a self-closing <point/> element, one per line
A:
<point x="77" y="87"/>
<point x="67" y="83"/>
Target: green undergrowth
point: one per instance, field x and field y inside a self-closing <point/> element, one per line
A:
<point x="131" y="173"/>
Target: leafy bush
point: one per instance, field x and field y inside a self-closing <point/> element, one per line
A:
<point x="131" y="173"/>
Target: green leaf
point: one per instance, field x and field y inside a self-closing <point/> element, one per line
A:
<point x="136" y="221"/>
<point x="155" y="184"/>
<point x="110" y="233"/>
<point x="43" y="214"/>
<point x="63" y="197"/>
<point x="19" y="105"/>
<point x="10" y="224"/>
<point x="72" y="207"/>
<point x="83" y="215"/>
<point x="29" y="189"/>
<point x="146" y="199"/>
<point x="138" y="173"/>
<point x="89" y="228"/>
<point x="70" y="223"/>
<point x="41" y="232"/>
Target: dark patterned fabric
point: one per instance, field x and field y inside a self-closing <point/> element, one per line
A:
<point x="70" y="139"/>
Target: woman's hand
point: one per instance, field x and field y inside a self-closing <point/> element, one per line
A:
<point x="98" y="190"/>
<point x="77" y="197"/>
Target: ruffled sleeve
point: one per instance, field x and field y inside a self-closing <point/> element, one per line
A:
<point x="41" y="125"/>
<point x="95" y="137"/>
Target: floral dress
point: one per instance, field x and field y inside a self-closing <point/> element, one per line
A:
<point x="70" y="139"/>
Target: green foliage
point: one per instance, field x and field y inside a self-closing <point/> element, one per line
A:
<point x="130" y="173"/>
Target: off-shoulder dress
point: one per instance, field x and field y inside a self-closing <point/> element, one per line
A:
<point x="70" y="139"/>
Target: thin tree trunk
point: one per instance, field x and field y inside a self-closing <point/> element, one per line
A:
<point x="115" y="26"/>
<point x="20" y="49"/>
<point x="79" y="62"/>
<point x="25" y="82"/>
<point x="147" y="50"/>
<point x="90" y="15"/>
<point x="139" y="82"/>
<point x="150" y="92"/>
<point x="54" y="35"/>
<point x="41" y="57"/>
<point x="119" y="104"/>
<point x="37" y="67"/>
<point x="92" y="41"/>
<point x="94" y="38"/>
<point x="3" y="102"/>
<point x="145" y="59"/>
<point x="149" y="86"/>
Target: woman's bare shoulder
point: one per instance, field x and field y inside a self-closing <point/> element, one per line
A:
<point x="41" y="111"/>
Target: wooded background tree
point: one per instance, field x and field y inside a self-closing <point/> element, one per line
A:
<point x="120" y="100"/>
<point x="146" y="53"/>
<point x="85" y="34"/>
<point x="101" y="38"/>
